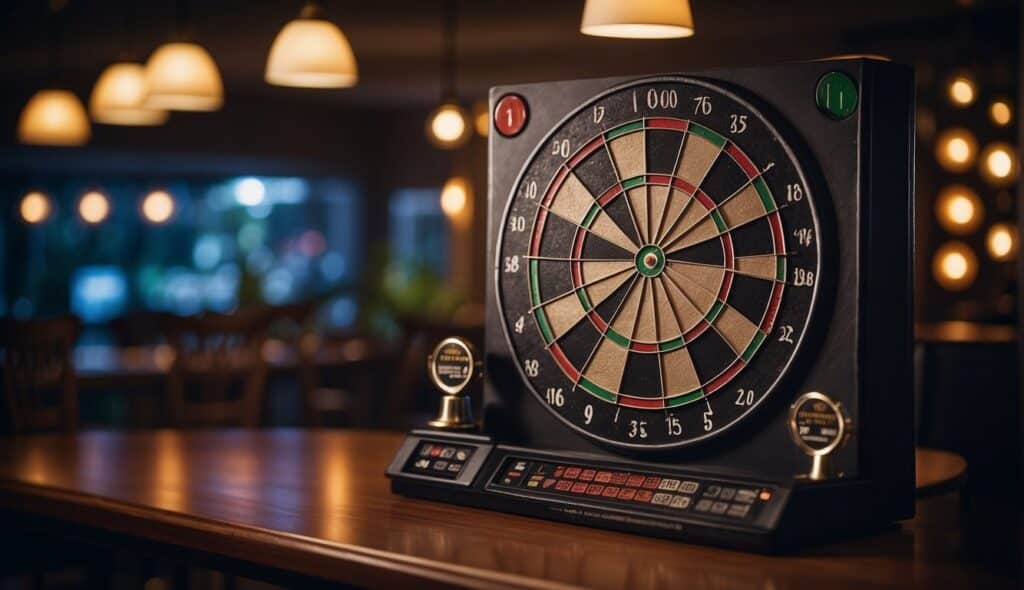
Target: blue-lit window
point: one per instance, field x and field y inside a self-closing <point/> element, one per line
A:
<point x="229" y="242"/>
<point x="419" y="231"/>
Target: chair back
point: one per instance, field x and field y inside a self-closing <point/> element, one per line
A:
<point x="219" y="375"/>
<point x="38" y="374"/>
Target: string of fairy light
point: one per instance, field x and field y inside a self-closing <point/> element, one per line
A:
<point x="959" y="209"/>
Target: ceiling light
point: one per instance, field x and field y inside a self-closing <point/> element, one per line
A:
<point x="1000" y="112"/>
<point x="1001" y="241"/>
<point x="956" y="149"/>
<point x="955" y="266"/>
<point x="958" y="209"/>
<point x="158" y="206"/>
<point x="311" y="52"/>
<point x="962" y="90"/>
<point x="455" y="198"/>
<point x="54" y="117"/>
<point x="182" y="76"/>
<point x="999" y="164"/>
<point x="119" y="97"/>
<point x="35" y="207"/>
<point x="637" y="19"/>
<point x="448" y="126"/>
<point x="94" y="207"/>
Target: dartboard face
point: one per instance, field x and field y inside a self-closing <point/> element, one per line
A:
<point x="657" y="264"/>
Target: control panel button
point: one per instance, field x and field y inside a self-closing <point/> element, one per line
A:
<point x="680" y="502"/>
<point x="510" y="115"/>
<point x="702" y="506"/>
<point x="836" y="95"/>
<point x="738" y="510"/>
<point x="719" y="507"/>
<point x="712" y="491"/>
<point x="727" y="493"/>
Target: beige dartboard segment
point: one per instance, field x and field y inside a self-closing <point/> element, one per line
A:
<point x="689" y="221"/>
<point x="600" y="290"/>
<point x="572" y="201"/>
<point x="625" y="319"/>
<point x="735" y="328"/>
<point x="686" y="311"/>
<point x="678" y="372"/>
<point x="605" y="228"/>
<point x="638" y="204"/>
<point x="629" y="154"/>
<point x="698" y="156"/>
<point x="698" y="282"/>
<point x="607" y="364"/>
<point x="658" y="197"/>
<point x="646" y="322"/>
<point x="564" y="313"/>
<point x="761" y="266"/>
<point x="597" y="270"/>
<point x="678" y="202"/>
<point x="702" y="231"/>
<point x="742" y="207"/>
<point x="668" y="322"/>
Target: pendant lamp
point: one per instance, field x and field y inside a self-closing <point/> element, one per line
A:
<point x="119" y="95"/>
<point x="181" y="75"/>
<point x="448" y="125"/>
<point x="54" y="115"/>
<point x="638" y="19"/>
<point x="311" y="52"/>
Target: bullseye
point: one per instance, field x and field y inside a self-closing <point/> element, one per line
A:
<point x="650" y="261"/>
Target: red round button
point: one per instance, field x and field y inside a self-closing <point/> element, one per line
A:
<point x="510" y="115"/>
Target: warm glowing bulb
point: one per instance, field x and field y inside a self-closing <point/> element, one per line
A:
<point x="311" y="52"/>
<point x="158" y="206"/>
<point x="448" y="126"/>
<point x="183" y="77"/>
<point x="94" y="207"/>
<point x="119" y="97"/>
<point x="454" y="196"/>
<point x="999" y="165"/>
<point x="962" y="91"/>
<point x="958" y="209"/>
<point x="1000" y="112"/>
<point x="54" y="117"/>
<point x="637" y="19"/>
<point x="1002" y="241"/>
<point x="955" y="266"/>
<point x="956" y="149"/>
<point x="35" y="207"/>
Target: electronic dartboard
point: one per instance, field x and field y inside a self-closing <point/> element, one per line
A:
<point x="699" y="317"/>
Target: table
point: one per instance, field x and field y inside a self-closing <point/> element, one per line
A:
<point x="315" y="504"/>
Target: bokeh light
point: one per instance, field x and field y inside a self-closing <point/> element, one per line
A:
<point x="1001" y="241"/>
<point x="1000" y="112"/>
<point x="956" y="149"/>
<point x="962" y="90"/>
<point x="158" y="206"/>
<point x="955" y="266"/>
<point x="94" y="207"/>
<point x="448" y="127"/>
<point x="454" y="196"/>
<point x="999" y="164"/>
<point x="35" y="207"/>
<point x="958" y="209"/>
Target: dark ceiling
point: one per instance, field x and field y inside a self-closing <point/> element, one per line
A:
<point x="397" y="43"/>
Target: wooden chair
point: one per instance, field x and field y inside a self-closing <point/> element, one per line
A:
<point x="219" y="375"/>
<point x="39" y="374"/>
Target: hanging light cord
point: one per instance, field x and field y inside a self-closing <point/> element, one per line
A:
<point x="448" y="65"/>
<point x="183" y="29"/>
<point x="54" y="26"/>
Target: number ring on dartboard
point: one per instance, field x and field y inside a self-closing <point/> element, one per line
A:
<point x="653" y="269"/>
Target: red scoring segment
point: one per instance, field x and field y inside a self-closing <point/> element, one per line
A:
<point x="510" y="115"/>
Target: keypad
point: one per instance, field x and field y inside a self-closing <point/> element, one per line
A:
<point x="632" y="489"/>
<point x="441" y="460"/>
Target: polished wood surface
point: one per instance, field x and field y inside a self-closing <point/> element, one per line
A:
<point x="939" y="471"/>
<point x="317" y="503"/>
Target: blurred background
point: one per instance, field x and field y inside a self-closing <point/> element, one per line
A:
<point x="252" y="248"/>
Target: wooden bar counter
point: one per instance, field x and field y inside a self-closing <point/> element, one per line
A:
<point x="308" y="506"/>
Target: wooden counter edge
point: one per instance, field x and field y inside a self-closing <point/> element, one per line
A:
<point x="289" y="552"/>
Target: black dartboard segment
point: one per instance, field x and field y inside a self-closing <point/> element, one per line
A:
<point x="657" y="264"/>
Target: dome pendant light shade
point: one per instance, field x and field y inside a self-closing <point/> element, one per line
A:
<point x="54" y="117"/>
<point x="637" y="19"/>
<point x="119" y="96"/>
<point x="311" y="52"/>
<point x="183" y="77"/>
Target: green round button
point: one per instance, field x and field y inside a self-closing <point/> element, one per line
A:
<point x="836" y="95"/>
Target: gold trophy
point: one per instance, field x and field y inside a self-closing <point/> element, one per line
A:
<point x="452" y="367"/>
<point x="819" y="427"/>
